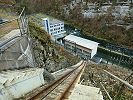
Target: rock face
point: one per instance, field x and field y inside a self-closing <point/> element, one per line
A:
<point x="50" y="57"/>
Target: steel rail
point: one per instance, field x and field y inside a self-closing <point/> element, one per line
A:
<point x="66" y="90"/>
<point x="41" y="95"/>
<point x="64" y="95"/>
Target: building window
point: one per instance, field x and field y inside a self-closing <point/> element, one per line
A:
<point x="86" y="53"/>
<point x="51" y="30"/>
<point x="68" y="45"/>
<point x="79" y="50"/>
<point x="51" y="26"/>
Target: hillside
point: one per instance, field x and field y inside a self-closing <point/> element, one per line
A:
<point x="102" y="26"/>
<point x="7" y="2"/>
<point x="95" y="74"/>
<point x="48" y="55"/>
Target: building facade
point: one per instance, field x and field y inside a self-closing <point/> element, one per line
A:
<point x="53" y="26"/>
<point x="82" y="47"/>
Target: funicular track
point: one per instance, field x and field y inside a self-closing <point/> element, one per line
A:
<point x="60" y="88"/>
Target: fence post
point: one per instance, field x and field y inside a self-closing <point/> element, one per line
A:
<point x="19" y="27"/>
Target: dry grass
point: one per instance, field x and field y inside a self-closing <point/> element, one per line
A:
<point x="7" y="27"/>
<point x="8" y="2"/>
<point x="7" y="14"/>
<point x="94" y="74"/>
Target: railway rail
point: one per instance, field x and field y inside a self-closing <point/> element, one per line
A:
<point x="60" y="88"/>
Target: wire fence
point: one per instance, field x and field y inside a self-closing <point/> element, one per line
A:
<point x="14" y="42"/>
<point x="7" y="24"/>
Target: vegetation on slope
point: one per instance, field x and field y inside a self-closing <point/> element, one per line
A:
<point x="94" y="74"/>
<point x="47" y="54"/>
<point x="97" y="26"/>
<point x="7" y="2"/>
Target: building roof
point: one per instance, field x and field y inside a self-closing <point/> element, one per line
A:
<point x="54" y="21"/>
<point x="81" y="41"/>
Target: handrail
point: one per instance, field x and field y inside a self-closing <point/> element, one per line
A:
<point x="124" y="82"/>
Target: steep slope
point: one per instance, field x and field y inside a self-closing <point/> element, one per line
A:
<point x="48" y="55"/>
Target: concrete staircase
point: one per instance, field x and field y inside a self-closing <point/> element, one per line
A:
<point x="82" y="92"/>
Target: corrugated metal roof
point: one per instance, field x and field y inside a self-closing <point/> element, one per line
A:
<point x="81" y="41"/>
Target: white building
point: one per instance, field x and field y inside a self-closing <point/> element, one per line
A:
<point x="53" y="26"/>
<point x="82" y="47"/>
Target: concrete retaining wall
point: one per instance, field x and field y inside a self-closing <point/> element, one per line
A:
<point x="17" y="83"/>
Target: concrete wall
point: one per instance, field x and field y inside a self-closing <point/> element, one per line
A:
<point x="45" y="22"/>
<point x="94" y="51"/>
<point x="17" y="83"/>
